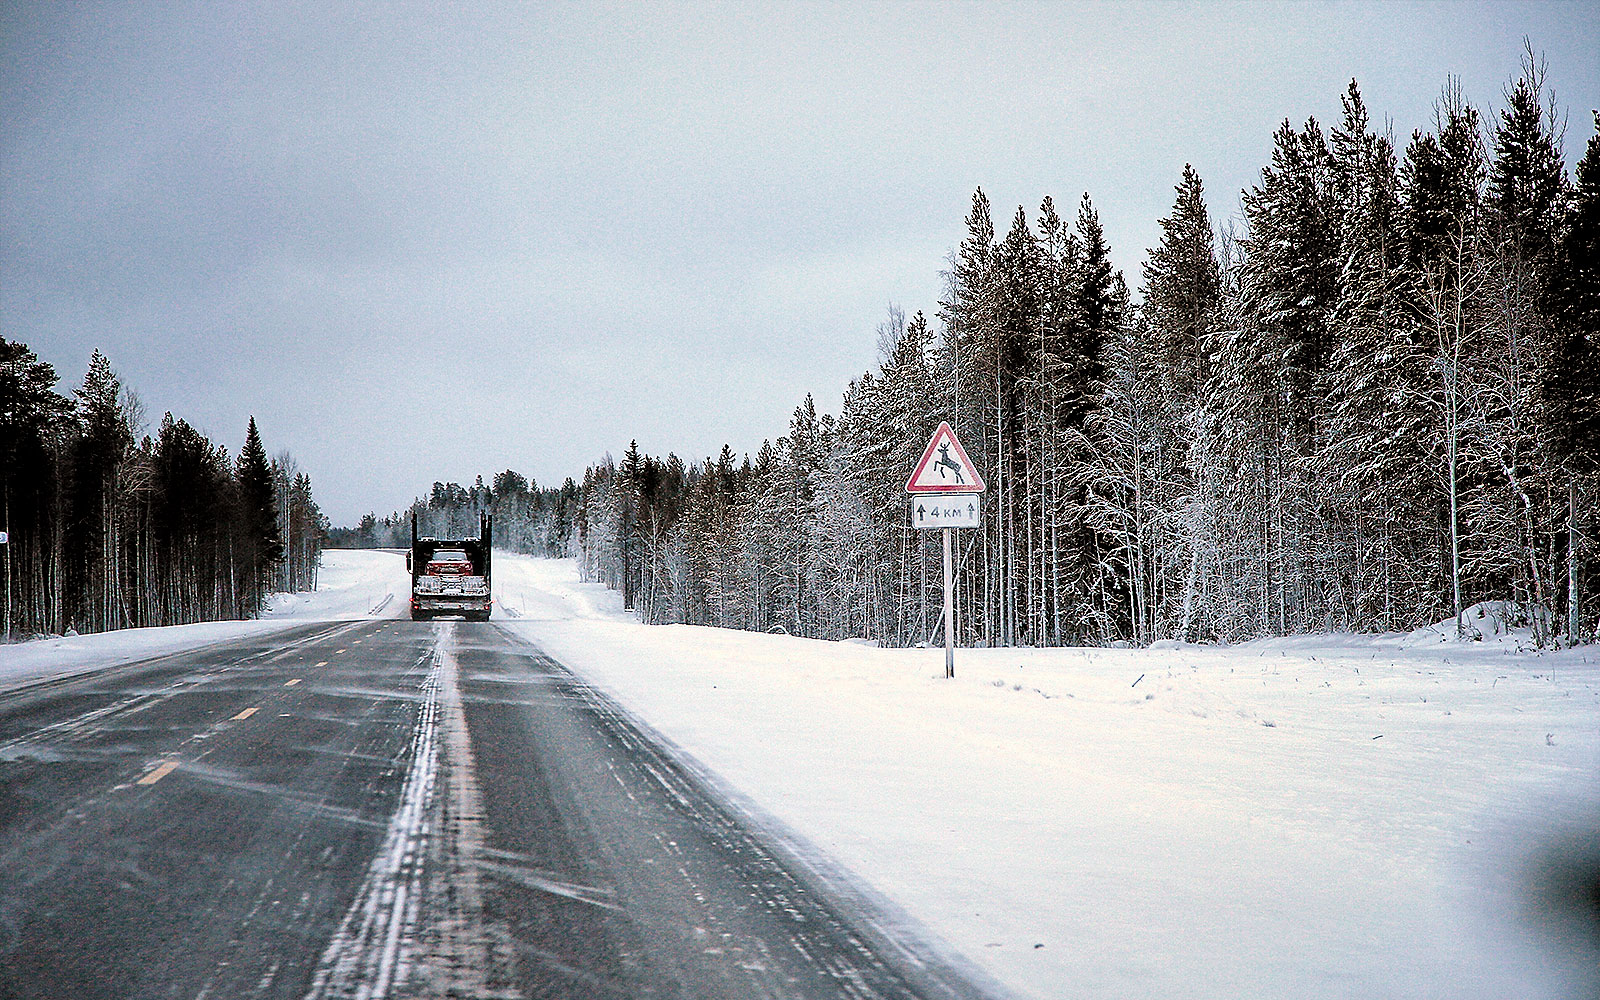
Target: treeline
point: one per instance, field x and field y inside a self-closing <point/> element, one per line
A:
<point x="110" y="530"/>
<point x="527" y="518"/>
<point x="1376" y="404"/>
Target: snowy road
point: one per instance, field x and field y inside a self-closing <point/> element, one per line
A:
<point x="382" y="808"/>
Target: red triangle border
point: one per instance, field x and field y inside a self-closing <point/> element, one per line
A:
<point x="977" y="486"/>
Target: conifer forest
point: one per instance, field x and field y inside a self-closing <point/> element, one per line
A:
<point x="1369" y="406"/>
<point x="110" y="532"/>
<point x="527" y="517"/>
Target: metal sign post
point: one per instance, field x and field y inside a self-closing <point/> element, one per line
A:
<point x="949" y="610"/>
<point x="945" y="492"/>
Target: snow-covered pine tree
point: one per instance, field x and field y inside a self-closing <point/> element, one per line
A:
<point x="1060" y="373"/>
<point x="1016" y="315"/>
<point x="1381" y="544"/>
<point x="1182" y="292"/>
<point x="1289" y="280"/>
<point x="913" y="407"/>
<point x="97" y="456"/>
<point x="31" y="413"/>
<point x="1129" y="442"/>
<point x="511" y="502"/>
<point x="1570" y="386"/>
<point x="1525" y="200"/>
<point x="628" y="481"/>
<point x="260" y="540"/>
<point x="1090" y="596"/>
<point x="1441" y="215"/>
<point x="1182" y="301"/>
<point x="1100" y="305"/>
<point x="792" y="499"/>
<point x="304" y="541"/>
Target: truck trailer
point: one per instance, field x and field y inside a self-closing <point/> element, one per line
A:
<point x="450" y="576"/>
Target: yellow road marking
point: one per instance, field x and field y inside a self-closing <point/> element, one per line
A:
<point x="244" y="715"/>
<point x="159" y="773"/>
<point x="292" y="683"/>
<point x="322" y="663"/>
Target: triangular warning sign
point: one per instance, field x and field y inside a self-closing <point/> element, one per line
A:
<point x="945" y="467"/>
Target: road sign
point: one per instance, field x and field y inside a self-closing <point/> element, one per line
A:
<point x="944" y="494"/>
<point x="4" y="537"/>
<point x="945" y="467"/>
<point x="960" y="510"/>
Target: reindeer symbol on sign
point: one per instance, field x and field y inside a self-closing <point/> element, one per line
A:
<point x="944" y="461"/>
<point x="944" y="467"/>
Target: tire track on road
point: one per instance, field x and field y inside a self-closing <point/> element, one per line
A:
<point x="416" y="927"/>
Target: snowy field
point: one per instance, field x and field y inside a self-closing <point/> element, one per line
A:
<point x="1391" y="816"/>
<point x="1365" y="817"/>
<point x="351" y="584"/>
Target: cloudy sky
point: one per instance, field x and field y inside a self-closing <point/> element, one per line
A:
<point x="426" y="242"/>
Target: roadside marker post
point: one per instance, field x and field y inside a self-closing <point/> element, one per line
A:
<point x="5" y="567"/>
<point x="945" y="490"/>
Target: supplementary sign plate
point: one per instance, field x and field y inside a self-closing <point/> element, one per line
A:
<point x="954" y="511"/>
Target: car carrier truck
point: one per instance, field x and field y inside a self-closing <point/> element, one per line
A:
<point x="450" y="576"/>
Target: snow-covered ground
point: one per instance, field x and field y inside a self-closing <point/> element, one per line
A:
<point x="352" y="585"/>
<point x="1391" y="816"/>
<point x="1394" y="816"/>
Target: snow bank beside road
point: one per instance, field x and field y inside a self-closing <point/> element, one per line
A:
<point x="45" y="659"/>
<point x="352" y="585"/>
<point x="1310" y="817"/>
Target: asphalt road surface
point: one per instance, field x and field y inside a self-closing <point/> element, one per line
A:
<point x="394" y="809"/>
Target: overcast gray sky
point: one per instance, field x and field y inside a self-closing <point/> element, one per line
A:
<point x="424" y="242"/>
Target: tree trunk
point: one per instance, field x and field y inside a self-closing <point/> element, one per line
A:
<point x="1574" y="619"/>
